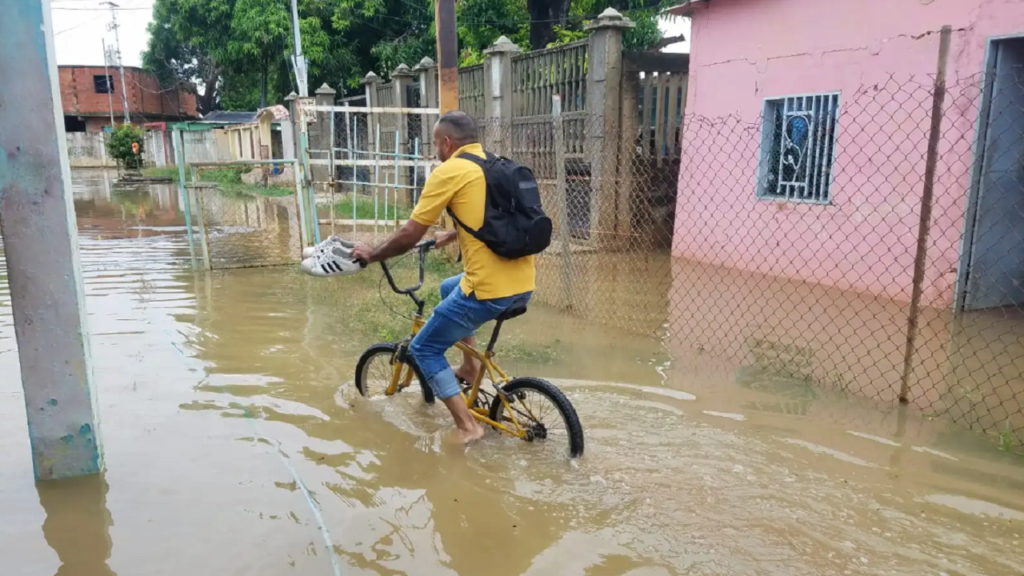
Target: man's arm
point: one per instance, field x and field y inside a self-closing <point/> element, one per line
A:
<point x="401" y="242"/>
<point x="437" y="193"/>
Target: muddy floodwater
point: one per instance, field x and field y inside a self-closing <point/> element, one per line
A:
<point x="235" y="445"/>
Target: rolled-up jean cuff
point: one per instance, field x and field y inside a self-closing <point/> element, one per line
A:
<point x="444" y="384"/>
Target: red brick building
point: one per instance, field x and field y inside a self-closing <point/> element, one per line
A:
<point x="86" y="93"/>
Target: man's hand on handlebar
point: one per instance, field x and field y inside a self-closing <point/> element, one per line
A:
<point x="445" y="237"/>
<point x="363" y="253"/>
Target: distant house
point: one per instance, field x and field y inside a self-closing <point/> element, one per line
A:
<point x="805" y="139"/>
<point x="88" y="93"/>
<point x="259" y="137"/>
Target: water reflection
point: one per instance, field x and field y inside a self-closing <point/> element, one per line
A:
<point x="216" y="387"/>
<point x="77" y="524"/>
<point x="773" y="333"/>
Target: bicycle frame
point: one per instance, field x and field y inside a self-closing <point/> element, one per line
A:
<point x="403" y="373"/>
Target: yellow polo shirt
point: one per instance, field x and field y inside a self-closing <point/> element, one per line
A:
<point x="460" y="184"/>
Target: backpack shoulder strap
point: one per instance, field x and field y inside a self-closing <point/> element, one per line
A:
<point x="482" y="163"/>
<point x="459" y="224"/>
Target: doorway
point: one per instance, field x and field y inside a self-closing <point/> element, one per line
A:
<point x="992" y="269"/>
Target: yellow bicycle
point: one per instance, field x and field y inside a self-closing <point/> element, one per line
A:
<point x="531" y="409"/>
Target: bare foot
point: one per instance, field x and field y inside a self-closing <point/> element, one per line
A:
<point x="468" y="372"/>
<point x="472" y="434"/>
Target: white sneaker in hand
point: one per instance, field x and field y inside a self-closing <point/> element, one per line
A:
<point x="333" y="261"/>
<point x="330" y="242"/>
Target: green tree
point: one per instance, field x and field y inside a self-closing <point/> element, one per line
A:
<point x="259" y="33"/>
<point x="187" y="46"/>
<point x="236" y="52"/>
<point x="119" y="145"/>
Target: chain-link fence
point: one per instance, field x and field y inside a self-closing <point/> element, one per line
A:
<point x="244" y="215"/>
<point x="856" y="241"/>
<point x="790" y="246"/>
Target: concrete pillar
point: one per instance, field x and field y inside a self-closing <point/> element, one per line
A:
<point x="498" y="95"/>
<point x="427" y="71"/>
<point x="321" y="138"/>
<point x="370" y="82"/>
<point x="401" y="80"/>
<point x="40" y="240"/>
<point x="604" y="87"/>
<point x="290" y="137"/>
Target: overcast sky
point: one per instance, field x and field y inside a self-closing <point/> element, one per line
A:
<point x="79" y="26"/>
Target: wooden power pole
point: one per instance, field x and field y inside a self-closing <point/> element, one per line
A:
<point x="447" y="55"/>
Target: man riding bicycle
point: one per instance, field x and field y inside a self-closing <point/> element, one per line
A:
<point x="490" y="284"/>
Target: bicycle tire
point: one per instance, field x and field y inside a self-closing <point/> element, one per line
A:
<point x="391" y="350"/>
<point x="557" y="397"/>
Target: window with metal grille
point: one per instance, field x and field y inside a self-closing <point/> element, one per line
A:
<point x="798" y="148"/>
<point x="103" y="84"/>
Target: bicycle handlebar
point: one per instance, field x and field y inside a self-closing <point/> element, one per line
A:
<point x="423" y="247"/>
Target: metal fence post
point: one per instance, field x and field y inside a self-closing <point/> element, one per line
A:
<point x="203" y="238"/>
<point x="295" y="115"/>
<point x="179" y="156"/>
<point x="40" y="238"/>
<point x="561" y="198"/>
<point x="927" y="195"/>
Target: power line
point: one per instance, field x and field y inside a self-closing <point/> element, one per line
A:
<point x="63" y="9"/>
<point x="568" y="18"/>
<point x="90" y="21"/>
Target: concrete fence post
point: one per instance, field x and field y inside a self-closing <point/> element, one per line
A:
<point x="40" y="239"/>
<point x="401" y="82"/>
<point x="321" y="138"/>
<point x="601" y="135"/>
<point x="371" y="82"/>
<point x="498" y="95"/>
<point x="427" y="71"/>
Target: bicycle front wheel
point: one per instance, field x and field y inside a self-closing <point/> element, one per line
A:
<point x="377" y="367"/>
<point x="543" y="411"/>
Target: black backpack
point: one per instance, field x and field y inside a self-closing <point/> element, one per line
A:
<point x="514" y="221"/>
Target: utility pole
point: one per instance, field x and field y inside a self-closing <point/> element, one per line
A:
<point x="447" y="54"/>
<point x="40" y="239"/>
<point x="109" y="81"/>
<point x="298" y="60"/>
<point x="120" y="65"/>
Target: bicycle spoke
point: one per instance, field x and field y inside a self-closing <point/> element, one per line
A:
<point x="378" y="375"/>
<point x="539" y="414"/>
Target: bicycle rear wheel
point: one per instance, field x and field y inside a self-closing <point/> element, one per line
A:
<point x="543" y="410"/>
<point x="376" y="367"/>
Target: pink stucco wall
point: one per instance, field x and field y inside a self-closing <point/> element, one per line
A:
<point x="881" y="56"/>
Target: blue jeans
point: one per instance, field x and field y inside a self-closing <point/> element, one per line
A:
<point x="456" y="317"/>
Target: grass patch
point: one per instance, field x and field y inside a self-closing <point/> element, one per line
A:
<point x="383" y="321"/>
<point x="366" y="208"/>
<point x="514" y="347"/>
<point x="163" y="172"/>
<point x="229" y="179"/>
<point x="1007" y="438"/>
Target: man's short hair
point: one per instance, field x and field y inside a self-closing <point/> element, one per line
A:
<point x="460" y="127"/>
